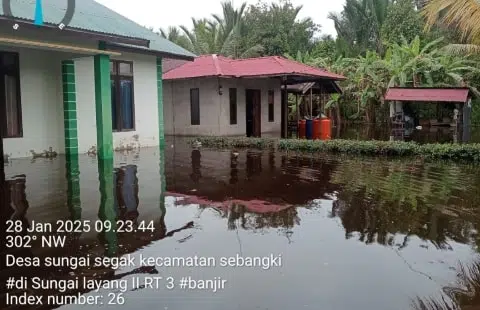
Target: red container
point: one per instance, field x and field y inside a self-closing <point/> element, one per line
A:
<point x="317" y="129"/>
<point x="326" y="129"/>
<point x="302" y="129"/>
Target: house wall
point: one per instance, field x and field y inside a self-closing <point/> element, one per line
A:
<point x="42" y="103"/>
<point x="146" y="131"/>
<point x="215" y="109"/>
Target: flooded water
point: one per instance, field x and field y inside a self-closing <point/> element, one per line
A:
<point x="329" y="232"/>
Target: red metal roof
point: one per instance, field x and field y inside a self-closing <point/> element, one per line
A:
<point x="428" y="94"/>
<point x="214" y="65"/>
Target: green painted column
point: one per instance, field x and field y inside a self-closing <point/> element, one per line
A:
<point x="107" y="213"/>
<point x="103" y="104"/>
<point x="73" y="187"/>
<point x="71" y="138"/>
<point x="161" y="128"/>
<point x="70" y="108"/>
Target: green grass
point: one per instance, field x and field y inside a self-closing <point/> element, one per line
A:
<point x="468" y="152"/>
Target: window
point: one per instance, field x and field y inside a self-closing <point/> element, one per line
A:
<point x="271" y="102"/>
<point x="233" y="106"/>
<point x="10" y="103"/>
<point x="123" y="108"/>
<point x="195" y="106"/>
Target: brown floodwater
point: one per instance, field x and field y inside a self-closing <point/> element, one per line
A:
<point x="349" y="232"/>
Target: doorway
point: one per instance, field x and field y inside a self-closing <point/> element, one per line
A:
<point x="253" y="112"/>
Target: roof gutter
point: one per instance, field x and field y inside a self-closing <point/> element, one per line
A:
<point x="138" y="50"/>
<point x="77" y="32"/>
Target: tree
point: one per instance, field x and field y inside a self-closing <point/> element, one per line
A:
<point x="232" y="30"/>
<point x="219" y="35"/>
<point x="277" y="28"/>
<point x="360" y="24"/>
<point x="174" y="35"/>
<point x="460" y="14"/>
<point x="326" y="47"/>
<point x="403" y="21"/>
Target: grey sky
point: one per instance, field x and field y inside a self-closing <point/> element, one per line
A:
<point x="161" y="13"/>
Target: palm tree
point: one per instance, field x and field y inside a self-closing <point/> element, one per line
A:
<point x="360" y="24"/>
<point x="232" y="30"/>
<point x="222" y="35"/>
<point x="174" y="35"/>
<point x="461" y="14"/>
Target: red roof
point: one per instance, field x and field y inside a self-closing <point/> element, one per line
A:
<point x="428" y="94"/>
<point x="214" y="65"/>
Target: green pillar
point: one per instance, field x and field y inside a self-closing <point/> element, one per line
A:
<point x="161" y="129"/>
<point x="71" y="138"/>
<point x="73" y="187"/>
<point x="103" y="104"/>
<point x="70" y="108"/>
<point x="107" y="213"/>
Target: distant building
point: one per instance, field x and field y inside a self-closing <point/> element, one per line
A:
<point x="215" y="95"/>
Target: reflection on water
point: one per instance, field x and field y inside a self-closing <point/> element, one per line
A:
<point x="405" y="227"/>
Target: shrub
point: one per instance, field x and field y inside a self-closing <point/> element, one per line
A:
<point x="468" y="152"/>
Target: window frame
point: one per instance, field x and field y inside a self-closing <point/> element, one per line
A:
<point x="116" y="77"/>
<point x="271" y="106"/>
<point x="230" y="92"/>
<point x="3" y="106"/>
<point x="192" y="123"/>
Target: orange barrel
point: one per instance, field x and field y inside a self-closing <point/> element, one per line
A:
<point x="317" y="129"/>
<point x="326" y="129"/>
<point x="302" y="129"/>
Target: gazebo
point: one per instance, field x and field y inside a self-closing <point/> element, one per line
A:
<point x="461" y="97"/>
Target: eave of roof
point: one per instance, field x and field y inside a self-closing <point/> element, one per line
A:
<point x="93" y="20"/>
<point x="459" y="95"/>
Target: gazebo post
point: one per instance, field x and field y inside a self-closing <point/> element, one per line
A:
<point x="298" y="114"/>
<point x="285" y="110"/>
<point x="467" y="114"/>
<point x="311" y="102"/>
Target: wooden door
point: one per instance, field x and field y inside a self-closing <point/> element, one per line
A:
<point x="257" y="114"/>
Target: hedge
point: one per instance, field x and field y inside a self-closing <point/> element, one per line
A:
<point x="469" y="152"/>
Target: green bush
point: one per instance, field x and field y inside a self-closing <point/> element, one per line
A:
<point x="235" y="142"/>
<point x="468" y="152"/>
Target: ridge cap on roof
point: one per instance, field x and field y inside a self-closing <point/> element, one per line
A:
<point x="218" y="68"/>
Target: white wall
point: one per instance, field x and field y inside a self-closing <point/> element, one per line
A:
<point x="215" y="109"/>
<point x="145" y="97"/>
<point x="41" y="102"/>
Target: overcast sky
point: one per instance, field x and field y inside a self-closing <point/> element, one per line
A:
<point x="164" y="13"/>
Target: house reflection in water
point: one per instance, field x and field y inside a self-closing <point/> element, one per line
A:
<point x="119" y="200"/>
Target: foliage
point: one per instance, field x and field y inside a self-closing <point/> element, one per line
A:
<point x="217" y="35"/>
<point x="462" y="15"/>
<point x="467" y="152"/>
<point x="402" y="22"/>
<point x="277" y="27"/>
<point x="248" y="31"/>
<point x="325" y="48"/>
<point x="239" y="142"/>
<point x="410" y="64"/>
<point x="359" y="25"/>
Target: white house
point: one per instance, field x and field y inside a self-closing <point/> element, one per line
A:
<point x="214" y="95"/>
<point x="90" y="83"/>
